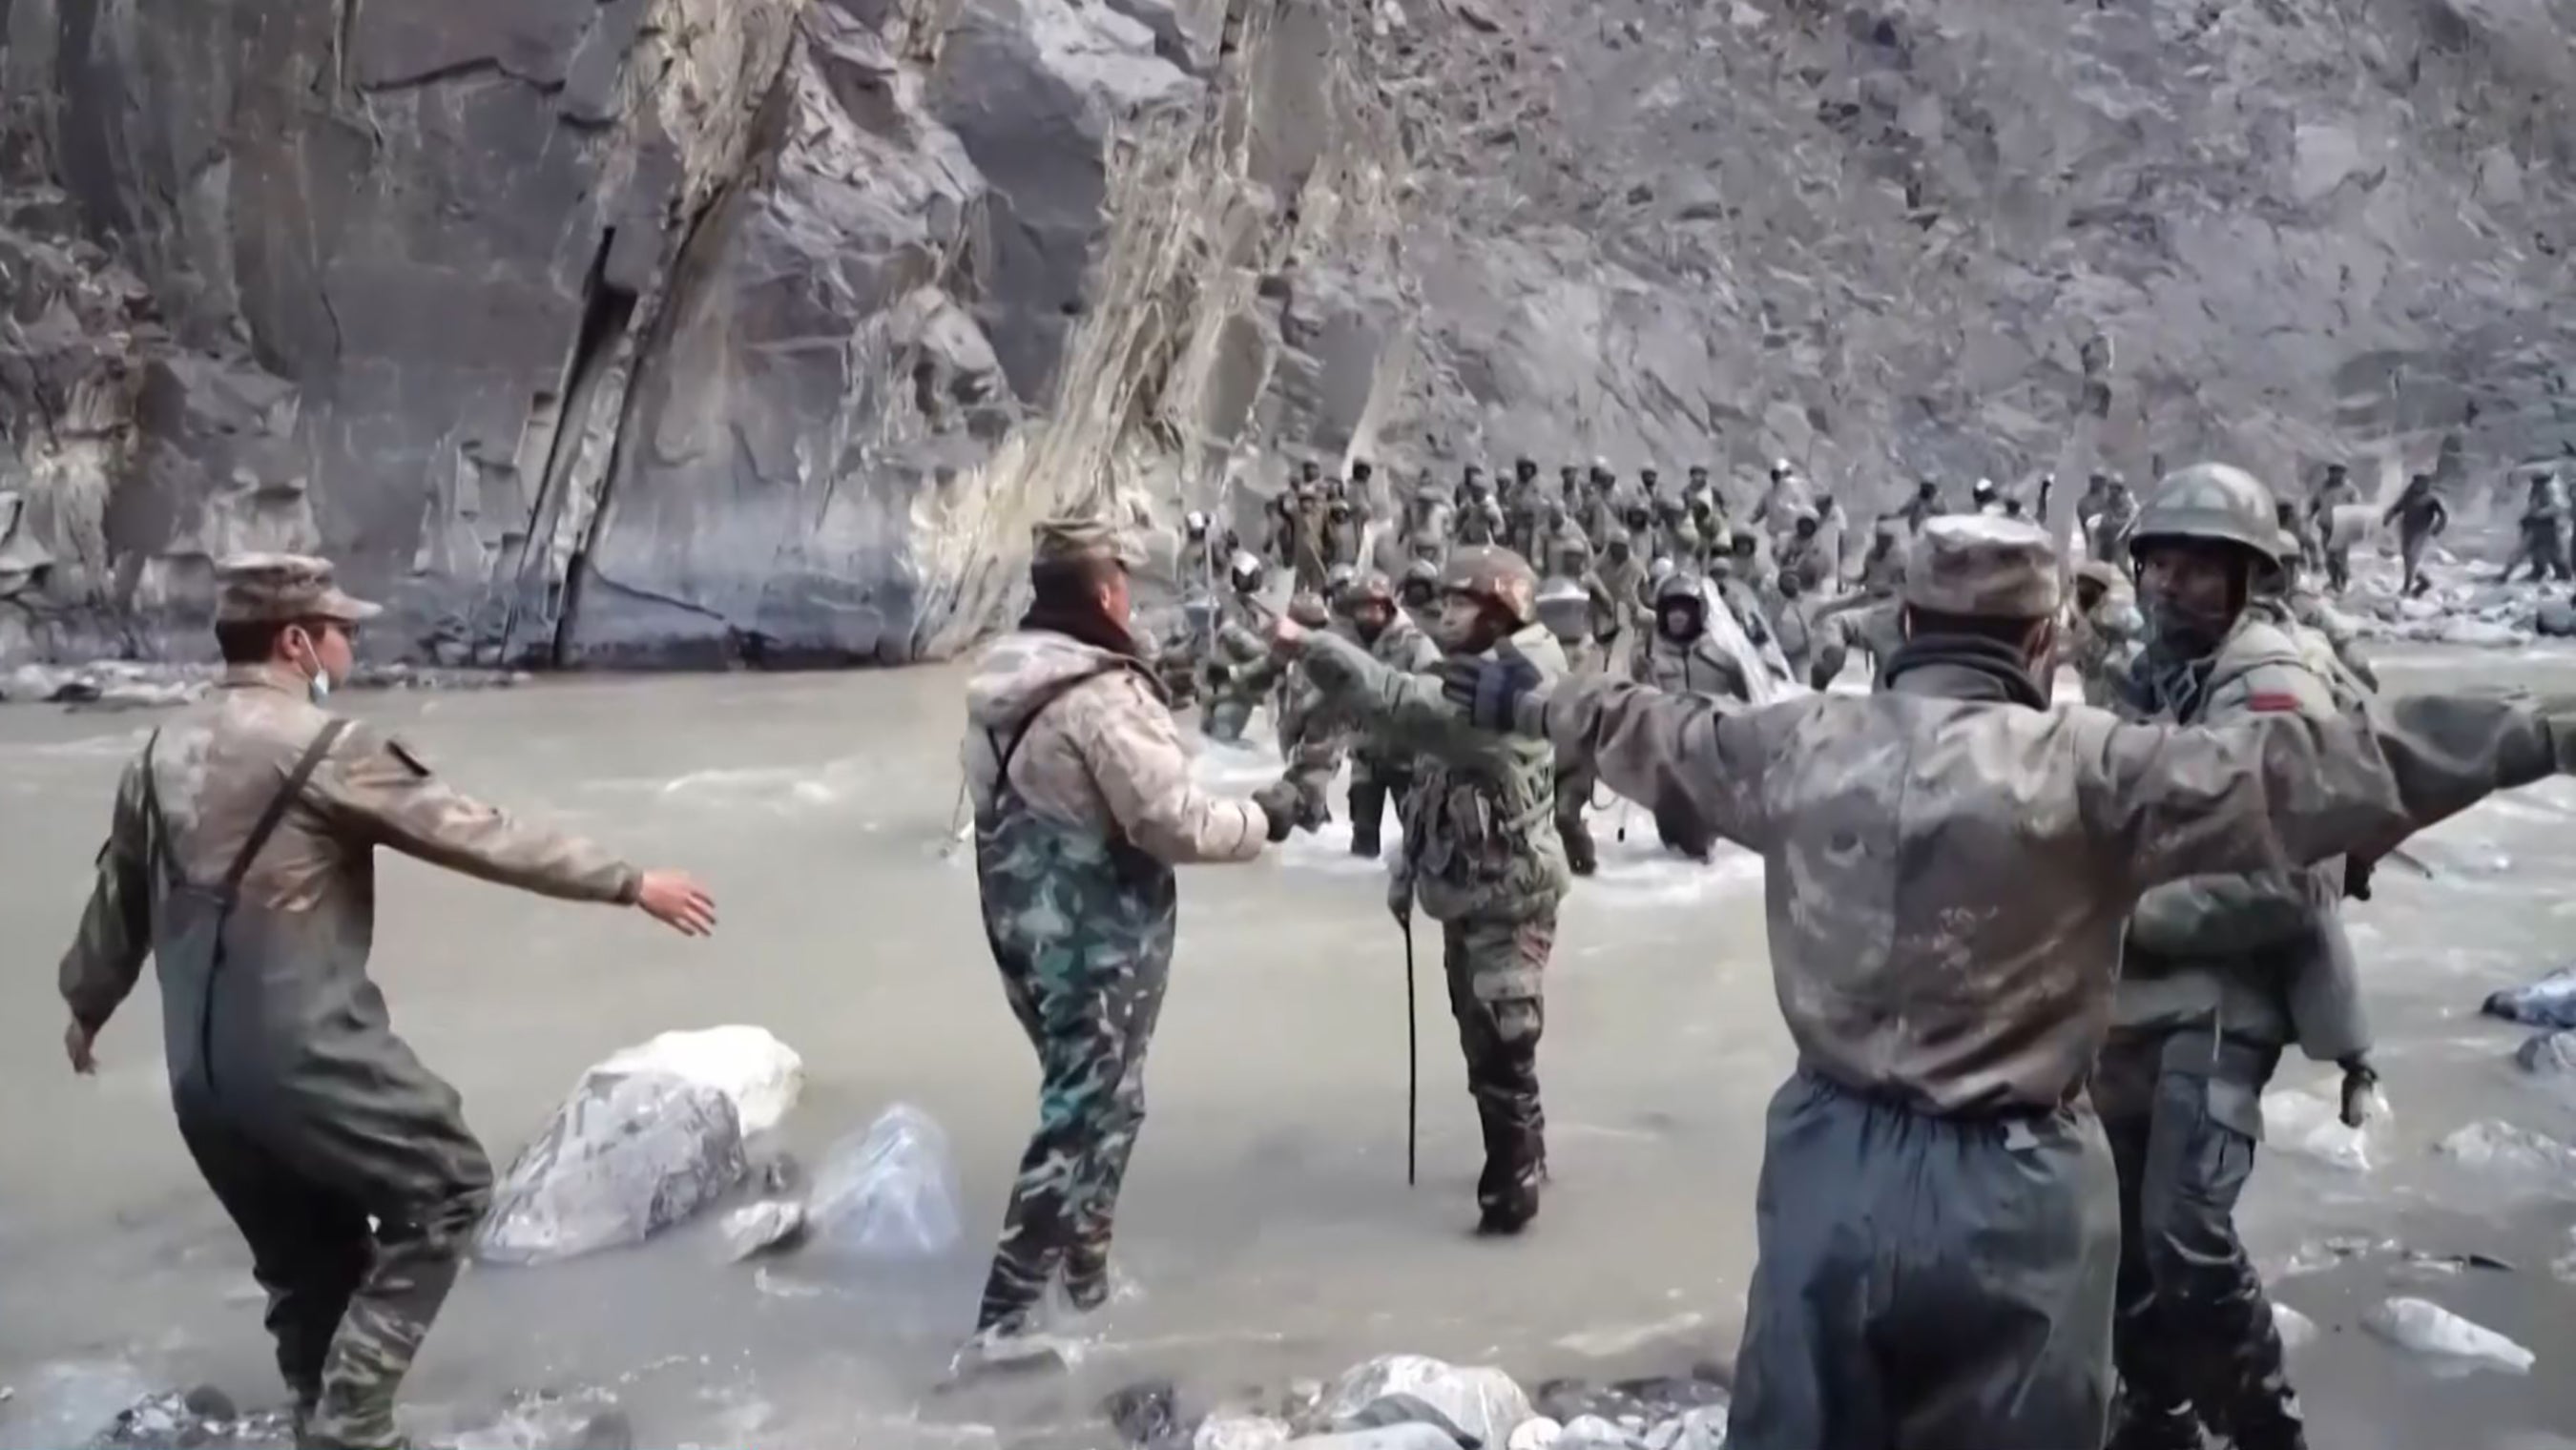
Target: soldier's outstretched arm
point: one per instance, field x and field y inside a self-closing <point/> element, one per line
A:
<point x="115" y="934"/>
<point x="1656" y="748"/>
<point x="378" y="788"/>
<point x="2283" y="790"/>
<point x="1142" y="770"/>
<point x="1408" y="709"/>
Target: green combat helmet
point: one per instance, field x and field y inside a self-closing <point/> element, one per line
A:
<point x="2212" y="502"/>
<point x="1496" y="578"/>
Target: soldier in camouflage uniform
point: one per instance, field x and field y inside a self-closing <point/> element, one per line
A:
<point x="1622" y="577"/>
<point x="2219" y="974"/>
<point x="1937" y="1215"/>
<point x="1420" y="591"/>
<point x="1231" y="684"/>
<point x="1480" y="519"/>
<point x="1566" y="606"/>
<point x="2104" y="632"/>
<point x="2543" y="533"/>
<point x="2325" y="638"/>
<point x="1083" y="805"/>
<point x="2336" y="493"/>
<point x="241" y="858"/>
<point x="1380" y="767"/>
<point x="2107" y="527"/>
<point x="1481" y="851"/>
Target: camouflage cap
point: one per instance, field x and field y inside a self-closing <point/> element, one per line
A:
<point x="1059" y="540"/>
<point x="281" y="589"/>
<point x="1979" y="567"/>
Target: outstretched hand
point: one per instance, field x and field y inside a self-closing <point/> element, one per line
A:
<point x="78" y="1043"/>
<point x="677" y="901"/>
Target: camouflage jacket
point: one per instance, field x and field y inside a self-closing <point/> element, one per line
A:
<point x="1104" y="755"/>
<point x="214" y="770"/>
<point x="1947" y="878"/>
<point x="1405" y="649"/>
<point x="2261" y="956"/>
<point x="2101" y="645"/>
<point x="1480" y="835"/>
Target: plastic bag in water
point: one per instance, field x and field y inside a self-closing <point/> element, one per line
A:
<point x="627" y="1156"/>
<point x="889" y="1193"/>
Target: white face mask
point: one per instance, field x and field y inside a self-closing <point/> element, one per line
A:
<point x="317" y="686"/>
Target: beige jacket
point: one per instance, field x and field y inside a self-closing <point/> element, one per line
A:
<point x="1100" y="750"/>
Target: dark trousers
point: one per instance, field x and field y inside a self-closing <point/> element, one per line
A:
<point x="2195" y="1343"/>
<point x="348" y="1304"/>
<point x="1494" y="971"/>
<point x="1927" y="1283"/>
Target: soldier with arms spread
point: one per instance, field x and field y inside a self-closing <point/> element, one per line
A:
<point x="1083" y="805"/>
<point x="1481" y="850"/>
<point x="1937" y="1212"/>
<point x="241" y="858"/>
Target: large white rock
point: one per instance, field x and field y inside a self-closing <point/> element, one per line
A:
<point x="762" y="1075"/>
<point x="2428" y="1328"/>
<point x="1474" y="1403"/>
<point x="628" y="1155"/>
<point x="2305" y="1123"/>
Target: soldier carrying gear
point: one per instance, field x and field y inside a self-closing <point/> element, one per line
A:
<point x="1481" y="850"/>
<point x="1083" y="805"/>
<point x="1380" y="768"/>
<point x="1623" y="577"/>
<point x="1679" y="658"/>
<point x="241" y="859"/>
<point x="1937" y="1213"/>
<point x="2219" y="974"/>
<point x="1231" y="686"/>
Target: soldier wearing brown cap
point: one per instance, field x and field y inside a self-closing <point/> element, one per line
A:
<point x="241" y="857"/>
<point x="1083" y="805"/>
<point x="1949" y="864"/>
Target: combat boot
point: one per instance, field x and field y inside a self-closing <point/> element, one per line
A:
<point x="1507" y="1191"/>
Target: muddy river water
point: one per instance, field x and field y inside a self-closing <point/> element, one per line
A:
<point x="1267" y="1232"/>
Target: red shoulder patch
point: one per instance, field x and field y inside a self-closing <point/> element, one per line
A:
<point x="2273" y="702"/>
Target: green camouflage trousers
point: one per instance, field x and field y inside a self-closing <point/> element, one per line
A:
<point x="1082" y="929"/>
<point x="1495" y="970"/>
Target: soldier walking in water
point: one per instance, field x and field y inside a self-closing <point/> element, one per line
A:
<point x="241" y="858"/>
<point x="2218" y="975"/>
<point x="1937" y="1215"/>
<point x="2420" y="517"/>
<point x="1481" y="850"/>
<point x="1083" y="805"/>
<point x="2336" y="493"/>
<point x="1380" y="768"/>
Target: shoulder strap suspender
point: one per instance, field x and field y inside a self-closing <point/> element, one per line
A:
<point x="1004" y="750"/>
<point x="277" y="804"/>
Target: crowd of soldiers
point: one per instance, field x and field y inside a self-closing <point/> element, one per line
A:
<point x="2022" y="1115"/>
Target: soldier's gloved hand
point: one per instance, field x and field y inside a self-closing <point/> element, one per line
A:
<point x="1283" y="805"/>
<point x="1488" y="690"/>
<point x="2360" y="1090"/>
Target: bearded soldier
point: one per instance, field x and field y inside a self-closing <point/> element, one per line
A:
<point x="1937" y="1213"/>
<point x="241" y="858"/>
<point x="1481" y="851"/>
<point x="1083" y="805"/>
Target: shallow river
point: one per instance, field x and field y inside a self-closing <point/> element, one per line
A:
<point x="1267" y="1229"/>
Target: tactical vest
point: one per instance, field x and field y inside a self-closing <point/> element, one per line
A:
<point x="1480" y="829"/>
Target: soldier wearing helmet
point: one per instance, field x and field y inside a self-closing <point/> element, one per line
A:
<point x="1950" y="864"/>
<point x="1420" y="591"/>
<point x="2218" y="975"/>
<point x="1480" y="516"/>
<point x="1481" y="850"/>
<point x="1924" y="507"/>
<point x="1231" y="682"/>
<point x="1623" y="580"/>
<point x="1580" y="611"/>
<point x="2420" y="516"/>
<point x="1380" y="765"/>
<point x="2103" y="631"/>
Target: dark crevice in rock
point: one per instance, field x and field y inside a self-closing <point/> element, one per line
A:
<point x="607" y="311"/>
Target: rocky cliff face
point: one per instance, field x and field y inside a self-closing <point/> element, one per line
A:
<point x="685" y="331"/>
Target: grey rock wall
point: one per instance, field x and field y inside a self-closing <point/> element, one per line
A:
<point x="702" y="331"/>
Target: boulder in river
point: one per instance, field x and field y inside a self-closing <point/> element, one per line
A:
<point x="2306" y="1123"/>
<point x="887" y="1194"/>
<point x="762" y="1075"/>
<point x="1475" y="1404"/>
<point x="2429" y="1329"/>
<point x="628" y="1155"/>
<point x="2505" y="1147"/>
<point x="2549" y="1002"/>
<point x="2549" y="1055"/>
<point x="1241" y="1432"/>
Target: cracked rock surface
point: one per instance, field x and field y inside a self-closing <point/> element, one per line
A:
<point x="712" y="331"/>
